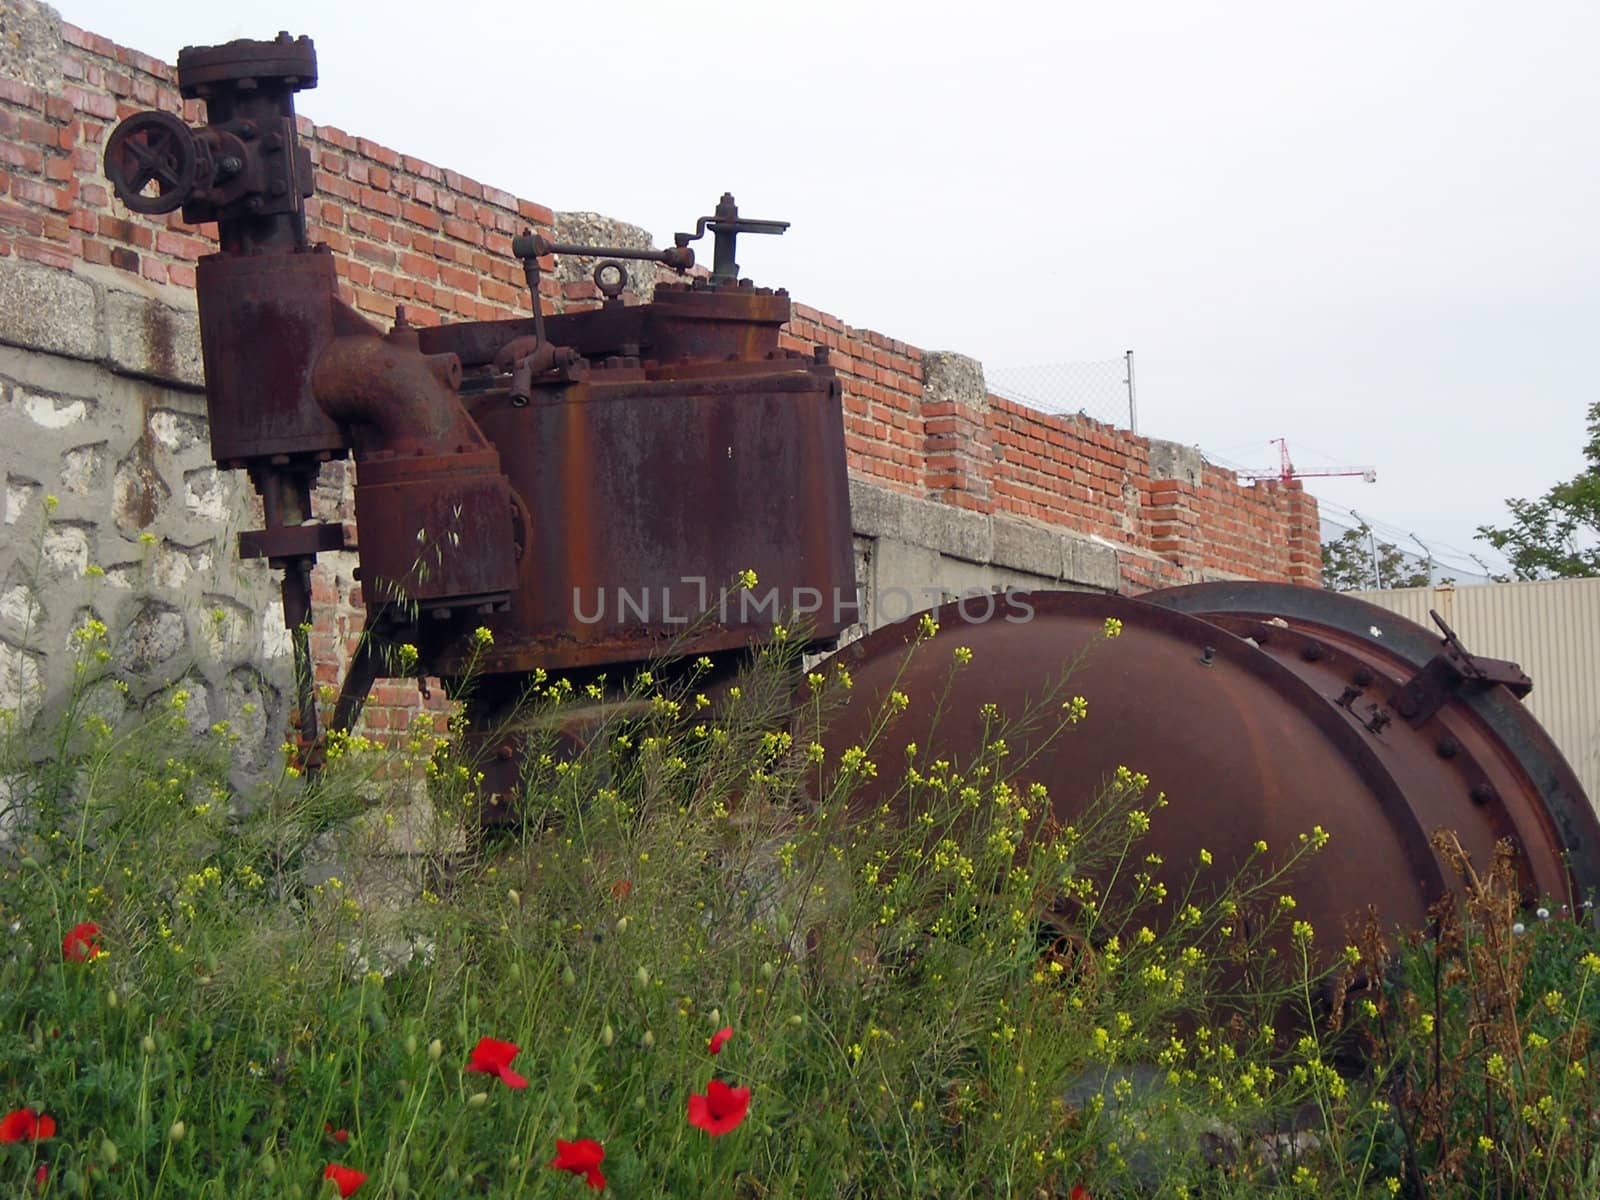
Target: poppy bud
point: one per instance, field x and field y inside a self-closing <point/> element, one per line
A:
<point x="435" y="1049"/>
<point x="797" y="1020"/>
<point x="716" y="1016"/>
<point x="642" y="976"/>
<point x="147" y="1044"/>
<point x="402" y="1182"/>
<point x="411" y="1043"/>
<point x="108" y="1151"/>
<point x="112" y="999"/>
<point x="622" y="924"/>
<point x="607" y="1035"/>
<point x="768" y="971"/>
<point x="568" y="975"/>
<point x="477" y="1099"/>
<point x="177" y="1131"/>
<point x="514" y="896"/>
<point x="648" y="1041"/>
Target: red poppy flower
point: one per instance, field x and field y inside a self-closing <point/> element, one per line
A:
<point x="81" y="943"/>
<point x="621" y="888"/>
<point x="339" y="1135"/>
<point x="721" y="1109"/>
<point x="582" y="1157"/>
<point x="1079" y="1192"/>
<point x="492" y="1057"/>
<point x="719" y="1039"/>
<point x="346" y="1179"/>
<point x="25" y="1125"/>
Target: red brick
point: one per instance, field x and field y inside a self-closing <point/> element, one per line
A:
<point x="426" y="217"/>
<point x="425" y="169"/>
<point x="93" y="103"/>
<point x="16" y="154"/>
<point x="537" y="213"/>
<point x="454" y="277"/>
<point x="124" y="230"/>
<point x="51" y="254"/>
<point x="381" y="202"/>
<point x="381" y="154"/>
<point x="31" y="192"/>
<point x="463" y="231"/>
<point x="372" y="253"/>
<point x="15" y="91"/>
<point x="418" y="265"/>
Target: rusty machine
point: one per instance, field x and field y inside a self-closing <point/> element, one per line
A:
<point x="585" y="484"/>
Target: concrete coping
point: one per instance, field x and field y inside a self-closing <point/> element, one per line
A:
<point x="128" y="325"/>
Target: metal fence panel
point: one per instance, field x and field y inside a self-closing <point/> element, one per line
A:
<point x="1102" y="391"/>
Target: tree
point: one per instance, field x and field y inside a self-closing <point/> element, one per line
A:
<point x="1558" y="535"/>
<point x="1347" y="564"/>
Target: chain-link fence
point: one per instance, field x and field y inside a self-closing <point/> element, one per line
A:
<point x="1103" y="391"/>
<point x="1363" y="555"/>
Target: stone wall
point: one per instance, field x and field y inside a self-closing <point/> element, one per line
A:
<point x="951" y="487"/>
<point x="115" y="513"/>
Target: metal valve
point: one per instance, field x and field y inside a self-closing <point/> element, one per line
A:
<point x="154" y="148"/>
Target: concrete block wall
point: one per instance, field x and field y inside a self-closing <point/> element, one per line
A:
<point x="113" y="511"/>
<point x="952" y="487"/>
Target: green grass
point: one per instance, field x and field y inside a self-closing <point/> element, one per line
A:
<point x="926" y="999"/>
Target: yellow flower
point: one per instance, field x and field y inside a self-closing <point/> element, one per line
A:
<point x="1113" y="627"/>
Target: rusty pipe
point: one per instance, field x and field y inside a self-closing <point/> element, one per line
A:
<point x="395" y="398"/>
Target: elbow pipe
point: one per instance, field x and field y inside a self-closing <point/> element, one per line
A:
<point x="395" y="399"/>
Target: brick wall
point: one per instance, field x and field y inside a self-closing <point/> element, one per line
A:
<point x="408" y="232"/>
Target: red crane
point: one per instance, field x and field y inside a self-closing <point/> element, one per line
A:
<point x="1286" y="468"/>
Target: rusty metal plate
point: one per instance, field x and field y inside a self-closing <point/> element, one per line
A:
<point x="648" y="497"/>
<point x="1242" y="748"/>
<point x="260" y="403"/>
<point x="439" y="530"/>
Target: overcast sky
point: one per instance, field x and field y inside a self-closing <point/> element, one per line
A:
<point x="1370" y="228"/>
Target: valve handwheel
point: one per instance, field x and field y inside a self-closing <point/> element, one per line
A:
<point x="151" y="147"/>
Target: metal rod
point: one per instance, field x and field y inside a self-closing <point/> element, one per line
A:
<point x="1133" y="407"/>
<point x="297" y="615"/>
<point x="1427" y="556"/>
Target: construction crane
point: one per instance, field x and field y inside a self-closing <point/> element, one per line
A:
<point x="1286" y="468"/>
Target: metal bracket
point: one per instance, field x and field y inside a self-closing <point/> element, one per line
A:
<point x="1450" y="671"/>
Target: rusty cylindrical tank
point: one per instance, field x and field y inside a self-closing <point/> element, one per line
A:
<point x="1248" y="741"/>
